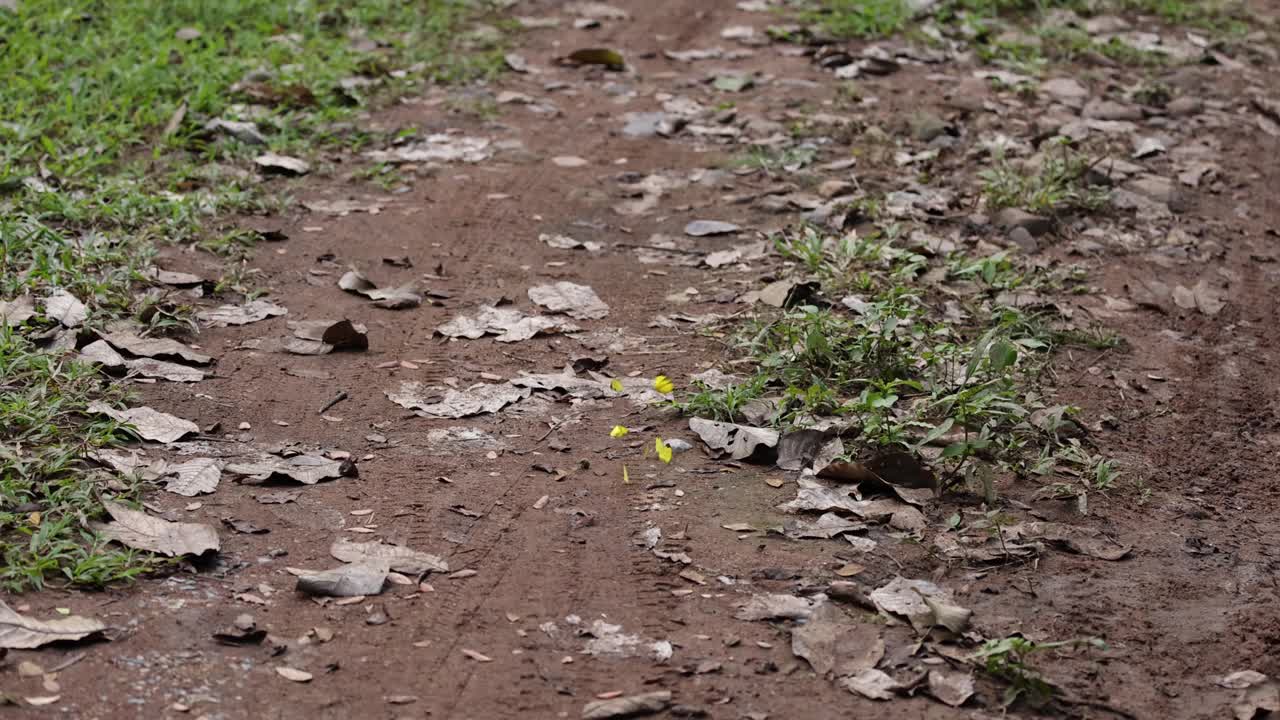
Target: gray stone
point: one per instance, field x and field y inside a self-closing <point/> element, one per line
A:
<point x="1036" y="225"/>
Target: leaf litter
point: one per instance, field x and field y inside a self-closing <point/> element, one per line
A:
<point x="483" y="398"/>
<point x="19" y="632"/>
<point x="507" y="324"/>
<point x="398" y="298"/>
<point x="150" y="424"/>
<point x="141" y="531"/>
<point x="397" y="557"/>
<point x="577" y="301"/>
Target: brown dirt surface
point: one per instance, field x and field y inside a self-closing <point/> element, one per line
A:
<point x="548" y="538"/>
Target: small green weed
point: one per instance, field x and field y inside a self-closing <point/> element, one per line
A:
<point x="1058" y="187"/>
<point x="1008" y="660"/>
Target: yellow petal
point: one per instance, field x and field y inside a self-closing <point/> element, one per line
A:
<point x="663" y="384"/>
<point x="626" y="477"/>
<point x="616" y="385"/>
<point x="618" y="431"/>
<point x="664" y="450"/>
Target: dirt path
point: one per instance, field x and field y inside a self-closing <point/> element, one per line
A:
<point x="533" y="509"/>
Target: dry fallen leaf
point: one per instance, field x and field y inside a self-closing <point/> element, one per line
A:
<point x="952" y="688"/>
<point x="576" y="301"/>
<point x="836" y="645"/>
<point x="150" y="424"/>
<point x="737" y="441"/>
<point x="250" y="312"/>
<point x="484" y="398"/>
<point x="629" y="706"/>
<point x="66" y="309"/>
<point x="141" y="531"/>
<point x="477" y="656"/>
<point x="352" y="580"/>
<point x="397" y="557"/>
<point x="294" y="674"/>
<point x="154" y="347"/>
<point x="507" y="324"/>
<point x="873" y="684"/>
<point x="306" y="469"/>
<point x="281" y="164"/>
<point x="194" y="477"/>
<point x="19" y="632"/>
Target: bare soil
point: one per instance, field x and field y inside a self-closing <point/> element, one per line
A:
<point x="1193" y="399"/>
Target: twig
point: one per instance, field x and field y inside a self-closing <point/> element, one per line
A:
<point x="67" y="663"/>
<point x="342" y="395"/>
<point x="679" y="251"/>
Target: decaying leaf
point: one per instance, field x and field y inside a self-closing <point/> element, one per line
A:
<point x="396" y="557"/>
<point x="984" y="547"/>
<point x="704" y="228"/>
<point x="18" y="632"/>
<point x="737" y="441"/>
<point x="952" y="688"/>
<point x="293" y="674"/>
<point x="835" y="645"/>
<point x="814" y="496"/>
<point x="154" y="347"/>
<point x="250" y="312"/>
<point x="609" y="640"/>
<point x="321" y="337"/>
<point x="610" y="59"/>
<point x="827" y="526"/>
<point x="150" y="424"/>
<point x="509" y="325"/>
<point x="564" y="242"/>
<point x="399" y="298"/>
<point x="627" y="706"/>
<point x="100" y="353"/>
<point x="576" y="301"/>
<point x="1086" y="541"/>
<point x="141" y="531"/>
<point x="780" y="606"/>
<point x="281" y="164"/>
<point x="17" y="311"/>
<point x="66" y="309"/>
<point x="873" y="684"/>
<point x="304" y="468"/>
<point x="906" y="598"/>
<point x="484" y="398"/>
<point x="351" y="580"/>
<point x="440" y="147"/>
<point x="194" y="477"/>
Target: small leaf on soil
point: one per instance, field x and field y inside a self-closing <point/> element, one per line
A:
<point x="294" y="674"/>
<point x="507" y="324"/>
<point x="19" y="632"/>
<point x="66" y="309"/>
<point x="477" y="656"/>
<point x="355" y="579"/>
<point x="629" y="706"/>
<point x="737" y="441"/>
<point x="154" y="347"/>
<point x="703" y="228"/>
<point x="250" y="312"/>
<point x="577" y="301"/>
<point x="952" y="688"/>
<point x="320" y="337"/>
<point x="17" y="311"/>
<point x="873" y="684"/>
<point x="836" y="645"/>
<point x="141" y="531"/>
<point x="610" y="59"/>
<point x="906" y="598"/>
<point x="306" y="469"/>
<point x="484" y="398"/>
<point x="244" y="631"/>
<point x="771" y="606"/>
<point x="194" y="477"/>
<point x="281" y="164"/>
<point x="150" y="424"/>
<point x="396" y="557"/>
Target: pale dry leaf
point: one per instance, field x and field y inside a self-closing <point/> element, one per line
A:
<point x="873" y="684"/>
<point x="66" y="309"/>
<point x="194" y="477"/>
<point x="397" y="557"/>
<point x="737" y="441"/>
<point x="627" y="706"/>
<point x="293" y="674"/>
<point x="576" y="301"/>
<point x="770" y="606"/>
<point x="250" y="312"/>
<point x="281" y="164"/>
<point x="507" y="324"/>
<point x="952" y="688"/>
<point x="304" y="468"/>
<point x="835" y="645"/>
<point x="154" y="347"/>
<point x="351" y="580"/>
<point x="485" y="398"/>
<point x="18" y="632"/>
<point x="150" y="424"/>
<point x="141" y="531"/>
<point x="439" y="147"/>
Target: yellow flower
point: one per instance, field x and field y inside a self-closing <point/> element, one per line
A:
<point x="616" y="385"/>
<point x="662" y="384"/>
<point x="626" y="477"/>
<point x="664" y="450"/>
<point x="618" y="431"/>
